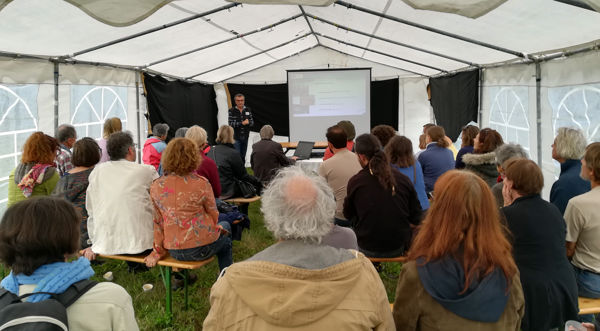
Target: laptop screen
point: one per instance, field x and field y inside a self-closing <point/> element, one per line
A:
<point x="303" y="149"/>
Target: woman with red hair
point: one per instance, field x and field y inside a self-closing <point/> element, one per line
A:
<point x="36" y="174"/>
<point x="460" y="274"/>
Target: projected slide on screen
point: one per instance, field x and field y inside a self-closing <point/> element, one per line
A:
<point x="319" y="99"/>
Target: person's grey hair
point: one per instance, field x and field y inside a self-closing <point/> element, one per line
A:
<point x="64" y="132"/>
<point x="118" y="145"/>
<point x="267" y="132"/>
<point x="508" y="151"/>
<point x="570" y="143"/>
<point x="225" y="135"/>
<point x="298" y="205"/>
<point x="239" y="95"/>
<point x="180" y="133"/>
<point x="197" y="134"/>
<point x="160" y="129"/>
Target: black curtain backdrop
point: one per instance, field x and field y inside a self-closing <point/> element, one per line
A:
<point x="179" y="104"/>
<point x="454" y="100"/>
<point x="269" y="105"/>
<point x="384" y="102"/>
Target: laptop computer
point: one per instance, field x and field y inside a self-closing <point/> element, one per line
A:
<point x="303" y="150"/>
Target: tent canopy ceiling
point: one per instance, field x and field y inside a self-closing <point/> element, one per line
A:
<point x="216" y="40"/>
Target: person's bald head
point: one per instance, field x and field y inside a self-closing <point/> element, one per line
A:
<point x="297" y="205"/>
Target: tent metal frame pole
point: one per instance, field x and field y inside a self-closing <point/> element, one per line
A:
<point x="383" y="64"/>
<point x="431" y="29"/>
<point x="143" y="33"/>
<point x="480" y="117"/>
<point x="370" y="35"/>
<point x="309" y="25"/>
<point x="275" y="61"/>
<point x="538" y="110"/>
<point x="238" y="36"/>
<point x="252" y="55"/>
<point x="384" y="54"/>
<point x="56" y="81"/>
<point x="137" y="108"/>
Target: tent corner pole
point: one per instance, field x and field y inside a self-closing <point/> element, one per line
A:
<point x="56" y="79"/>
<point x="137" y="112"/>
<point x="538" y="106"/>
<point x="480" y="117"/>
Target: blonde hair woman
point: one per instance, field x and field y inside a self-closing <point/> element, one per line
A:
<point x="111" y="125"/>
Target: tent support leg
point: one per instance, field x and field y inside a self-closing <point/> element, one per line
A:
<point x="480" y="117"/>
<point x="56" y="76"/>
<point x="538" y="106"/>
<point x="137" y="112"/>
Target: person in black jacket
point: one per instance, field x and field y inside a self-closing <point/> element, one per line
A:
<point x="268" y="156"/>
<point x="538" y="234"/>
<point x="229" y="163"/>
<point x="381" y="203"/>
<point x="240" y="119"/>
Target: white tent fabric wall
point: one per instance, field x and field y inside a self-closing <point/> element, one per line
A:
<point x="415" y="109"/>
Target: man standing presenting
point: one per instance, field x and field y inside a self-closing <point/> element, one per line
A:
<point x="240" y="119"/>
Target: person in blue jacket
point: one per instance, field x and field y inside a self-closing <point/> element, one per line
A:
<point x="400" y="153"/>
<point x="436" y="159"/>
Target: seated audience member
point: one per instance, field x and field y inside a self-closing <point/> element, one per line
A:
<point x="267" y="156"/>
<point x="66" y="137"/>
<point x="468" y="134"/>
<point x="567" y="149"/>
<point x="180" y="133"/>
<point x="229" y="162"/>
<point x="348" y="127"/>
<point x="483" y="159"/>
<point x="448" y="140"/>
<point x="341" y="237"/>
<point x="503" y="154"/>
<point x="538" y="236"/>
<point x="384" y="133"/>
<point x="436" y="159"/>
<point x="111" y="126"/>
<point x="298" y="284"/>
<point x="118" y="202"/>
<point x="583" y="227"/>
<point x="381" y="203"/>
<point x="208" y="167"/>
<point x="73" y="186"/>
<point x="338" y="170"/>
<point x="400" y="153"/>
<point x="461" y="274"/>
<point x="185" y="212"/>
<point x="36" y="173"/>
<point x="155" y="145"/>
<point x="36" y="238"/>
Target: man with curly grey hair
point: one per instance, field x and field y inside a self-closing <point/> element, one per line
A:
<point x="298" y="283"/>
<point x="568" y="148"/>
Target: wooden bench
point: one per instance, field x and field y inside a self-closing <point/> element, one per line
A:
<point x="239" y="201"/>
<point x="167" y="264"/>
<point x="588" y="306"/>
<point x="400" y="259"/>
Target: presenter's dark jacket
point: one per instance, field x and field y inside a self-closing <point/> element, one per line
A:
<point x="381" y="220"/>
<point x="568" y="185"/>
<point x="235" y="121"/>
<point x="538" y="233"/>
<point x="230" y="167"/>
<point x="267" y="157"/>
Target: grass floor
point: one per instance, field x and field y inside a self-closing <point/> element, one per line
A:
<point x="150" y="306"/>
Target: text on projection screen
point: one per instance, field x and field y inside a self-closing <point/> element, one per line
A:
<point x="321" y="98"/>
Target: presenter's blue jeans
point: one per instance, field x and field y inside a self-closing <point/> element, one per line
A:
<point x="221" y="248"/>
<point x="241" y="145"/>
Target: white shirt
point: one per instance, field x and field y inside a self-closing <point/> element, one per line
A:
<point x="583" y="228"/>
<point x="119" y="207"/>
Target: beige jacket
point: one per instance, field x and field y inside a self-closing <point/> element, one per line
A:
<point x="261" y="295"/>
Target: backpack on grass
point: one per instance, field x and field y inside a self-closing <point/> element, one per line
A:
<point x="46" y="315"/>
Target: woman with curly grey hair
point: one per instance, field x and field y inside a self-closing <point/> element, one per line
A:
<point x="567" y="149"/>
<point x="312" y="285"/>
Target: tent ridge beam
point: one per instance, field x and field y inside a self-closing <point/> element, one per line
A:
<point x="431" y="29"/>
<point x="383" y="64"/>
<point x="143" y="33"/>
<point x="370" y="35"/>
<point x="251" y="55"/>
<point x="238" y="36"/>
<point x="384" y="54"/>
<point x="309" y="25"/>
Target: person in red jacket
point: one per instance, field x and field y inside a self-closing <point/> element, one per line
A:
<point x="155" y="145"/>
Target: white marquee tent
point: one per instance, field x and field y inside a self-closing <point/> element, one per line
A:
<point x="78" y="61"/>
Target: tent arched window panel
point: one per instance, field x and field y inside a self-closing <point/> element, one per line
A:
<point x="18" y="120"/>
<point x="92" y="105"/>
<point x="577" y="107"/>
<point x="509" y="113"/>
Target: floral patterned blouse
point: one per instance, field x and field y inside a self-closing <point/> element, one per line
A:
<point x="185" y="213"/>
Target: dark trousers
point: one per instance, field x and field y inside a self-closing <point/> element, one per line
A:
<point x="241" y="145"/>
<point x="221" y="248"/>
